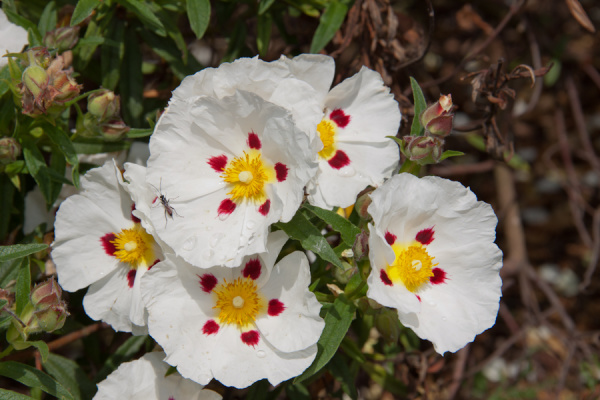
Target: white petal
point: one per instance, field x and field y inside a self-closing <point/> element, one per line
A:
<point x="299" y="325"/>
<point x="144" y="379"/>
<point x="82" y="220"/>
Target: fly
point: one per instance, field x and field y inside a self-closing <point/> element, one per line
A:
<point x="164" y="201"/>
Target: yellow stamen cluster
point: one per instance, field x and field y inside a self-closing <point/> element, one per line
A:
<point x="413" y="266"/>
<point x="239" y="302"/>
<point x="134" y="246"/>
<point x="327" y="130"/>
<point x="248" y="175"/>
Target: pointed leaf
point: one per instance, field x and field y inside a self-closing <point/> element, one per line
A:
<point x="48" y="18"/>
<point x="451" y="153"/>
<point x="69" y="374"/>
<point x="300" y="228"/>
<point x="33" y="378"/>
<point x="329" y="23"/>
<point x="263" y="36"/>
<point x="15" y="251"/>
<point x="83" y="9"/>
<point x="347" y="229"/>
<point x="9" y="395"/>
<point x="145" y="14"/>
<point x="123" y="353"/>
<point x="337" y="322"/>
<point x="198" y="12"/>
<point x="416" y="128"/>
<point x="23" y="287"/>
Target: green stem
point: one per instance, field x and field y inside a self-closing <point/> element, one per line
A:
<point x="410" y="167"/>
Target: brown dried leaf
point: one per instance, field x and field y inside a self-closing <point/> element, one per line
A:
<point x="580" y="15"/>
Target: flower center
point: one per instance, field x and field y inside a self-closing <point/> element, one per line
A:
<point x="327" y="130"/>
<point x="239" y="302"/>
<point x="134" y="246"/>
<point x="248" y="175"/>
<point x="413" y="266"/>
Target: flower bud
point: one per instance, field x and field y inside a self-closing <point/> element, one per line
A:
<point x="361" y="245"/>
<point x="63" y="38"/>
<point x="423" y="148"/>
<point x="46" y="293"/>
<point x="440" y="107"/>
<point x="65" y="87"/>
<point x="35" y="80"/>
<point x="10" y="150"/>
<point x="103" y="104"/>
<point x="51" y="318"/>
<point x="362" y="203"/>
<point x="114" y="129"/>
<point x="387" y="324"/>
<point x="440" y="126"/>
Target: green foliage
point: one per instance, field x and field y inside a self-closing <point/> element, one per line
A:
<point x="31" y="377"/>
<point x="416" y="128"/>
<point x="329" y="23"/>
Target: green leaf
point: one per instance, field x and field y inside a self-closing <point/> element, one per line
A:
<point x="9" y="395"/>
<point x="33" y="378"/>
<point x="338" y="367"/>
<point x="38" y="344"/>
<point x="329" y="23"/>
<point x="264" y="6"/>
<point x="5" y="80"/>
<point x="87" y="45"/>
<point x="337" y="322"/>
<point x="145" y="14"/>
<point x="237" y="41"/>
<point x="123" y="353"/>
<point x="83" y="9"/>
<point x="263" y="33"/>
<point x="347" y="229"/>
<point x="451" y="153"/>
<point x="23" y="287"/>
<point x="9" y="271"/>
<point x="62" y="141"/>
<point x="198" y="12"/>
<point x="416" y="128"/>
<point x="300" y="228"/>
<point x="97" y="145"/>
<point x="139" y="133"/>
<point x="37" y="168"/>
<point x="15" y="251"/>
<point x="165" y="49"/>
<point x="131" y="82"/>
<point x="112" y="55"/>
<point x="69" y="374"/>
<point x="48" y="18"/>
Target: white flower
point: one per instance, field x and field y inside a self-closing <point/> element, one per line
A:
<point x="298" y="85"/>
<point x="227" y="169"/>
<point x="12" y="38"/>
<point x="99" y="242"/>
<point x="358" y="115"/>
<point x="238" y="325"/>
<point x="144" y="379"/>
<point x="434" y="259"/>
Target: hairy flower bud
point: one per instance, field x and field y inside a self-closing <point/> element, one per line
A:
<point x="423" y="149"/>
<point x="35" y="80"/>
<point x="104" y="104"/>
<point x="437" y="118"/>
<point x="62" y="39"/>
<point x="10" y="150"/>
<point x="114" y="129"/>
<point x="387" y="324"/>
<point x="46" y="293"/>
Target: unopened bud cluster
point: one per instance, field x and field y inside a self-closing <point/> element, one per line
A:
<point x="10" y="150"/>
<point x="437" y="121"/>
<point x="62" y="39"/>
<point x="102" y="118"/>
<point x="46" y="85"/>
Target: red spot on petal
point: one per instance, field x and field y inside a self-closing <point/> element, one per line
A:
<point x="425" y="236"/>
<point x="340" y="118"/>
<point x="282" y="171"/>
<point x="265" y="207"/>
<point x="208" y="282"/>
<point x="385" y="278"/>
<point x="275" y="307"/>
<point x="439" y="276"/>
<point x="155" y="198"/>
<point x="390" y="238"/>
<point x="153" y="264"/>
<point x="250" y="338"/>
<point x="109" y="248"/>
<point x="218" y="163"/>
<point x="131" y="277"/>
<point x="133" y="217"/>
<point x="254" y="141"/>
<point x="418" y="297"/>
<point x="252" y="269"/>
<point x="210" y="327"/>
<point x="339" y="160"/>
<point x="226" y="207"/>
<point x="171" y="398"/>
